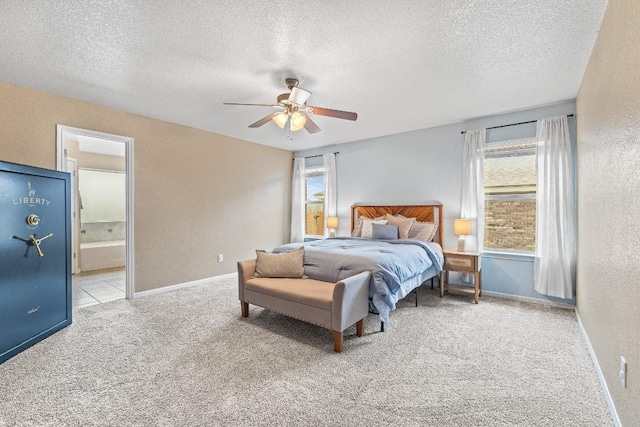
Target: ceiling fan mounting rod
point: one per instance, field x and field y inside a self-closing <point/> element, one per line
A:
<point x="291" y="82"/>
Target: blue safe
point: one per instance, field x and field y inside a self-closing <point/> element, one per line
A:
<point x="35" y="256"/>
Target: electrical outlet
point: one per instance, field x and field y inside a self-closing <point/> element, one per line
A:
<point x="220" y="257"/>
<point x="623" y="372"/>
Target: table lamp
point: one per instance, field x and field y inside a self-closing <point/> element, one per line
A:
<point x="332" y="225"/>
<point x="461" y="227"/>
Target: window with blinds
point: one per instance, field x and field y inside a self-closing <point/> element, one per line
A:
<point x="510" y="195"/>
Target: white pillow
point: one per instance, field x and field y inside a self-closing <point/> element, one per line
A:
<point x="367" y="228"/>
<point x="357" y="231"/>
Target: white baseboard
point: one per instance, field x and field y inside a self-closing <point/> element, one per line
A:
<point x="183" y="285"/>
<point x="603" y="384"/>
<point x="528" y="299"/>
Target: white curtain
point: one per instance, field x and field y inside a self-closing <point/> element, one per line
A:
<point x="297" y="201"/>
<point x="555" y="212"/>
<point x="330" y="188"/>
<point x="472" y="206"/>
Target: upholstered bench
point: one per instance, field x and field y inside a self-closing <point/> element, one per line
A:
<point x="334" y="306"/>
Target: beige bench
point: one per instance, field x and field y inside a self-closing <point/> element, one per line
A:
<point x="334" y="306"/>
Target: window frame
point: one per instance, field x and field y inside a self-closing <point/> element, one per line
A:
<point x="309" y="171"/>
<point x="514" y="152"/>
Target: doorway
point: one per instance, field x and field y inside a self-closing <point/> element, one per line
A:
<point x="101" y="167"/>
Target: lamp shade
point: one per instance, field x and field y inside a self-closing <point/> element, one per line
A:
<point x="462" y="227"/>
<point x="332" y="222"/>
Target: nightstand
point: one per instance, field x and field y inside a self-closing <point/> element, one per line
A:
<point x="463" y="262"/>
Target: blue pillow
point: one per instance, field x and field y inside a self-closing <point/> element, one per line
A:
<point x="384" y="232"/>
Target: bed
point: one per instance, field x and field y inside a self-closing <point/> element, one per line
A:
<point x="398" y="266"/>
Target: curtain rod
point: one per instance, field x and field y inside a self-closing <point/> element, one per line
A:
<point x="512" y="124"/>
<point x="319" y="155"/>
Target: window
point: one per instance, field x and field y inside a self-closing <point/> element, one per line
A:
<point x="510" y="195"/>
<point x="314" y="202"/>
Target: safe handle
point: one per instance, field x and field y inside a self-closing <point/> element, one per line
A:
<point x="37" y="242"/>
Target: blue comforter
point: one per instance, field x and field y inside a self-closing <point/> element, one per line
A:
<point x="391" y="262"/>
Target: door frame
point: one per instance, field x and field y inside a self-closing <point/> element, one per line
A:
<point x="62" y="133"/>
<point x="75" y="215"/>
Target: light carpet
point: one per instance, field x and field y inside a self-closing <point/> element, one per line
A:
<point x="187" y="358"/>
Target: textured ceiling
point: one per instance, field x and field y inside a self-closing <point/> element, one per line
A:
<point x="401" y="65"/>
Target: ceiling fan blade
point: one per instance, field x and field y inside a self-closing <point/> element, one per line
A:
<point x="311" y="126"/>
<point x="299" y="96"/>
<point x="262" y="121"/>
<point x="251" y="105"/>
<point x="339" y="114"/>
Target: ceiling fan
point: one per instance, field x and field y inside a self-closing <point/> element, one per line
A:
<point x="293" y="105"/>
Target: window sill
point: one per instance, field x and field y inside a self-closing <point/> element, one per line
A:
<point x="515" y="256"/>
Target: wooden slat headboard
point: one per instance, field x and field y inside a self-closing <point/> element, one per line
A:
<point x="428" y="212"/>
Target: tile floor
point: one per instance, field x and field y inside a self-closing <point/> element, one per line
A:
<point x="95" y="287"/>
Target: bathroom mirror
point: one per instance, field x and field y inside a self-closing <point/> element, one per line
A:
<point x="102" y="195"/>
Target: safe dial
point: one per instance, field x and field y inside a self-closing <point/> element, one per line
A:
<point x="33" y="220"/>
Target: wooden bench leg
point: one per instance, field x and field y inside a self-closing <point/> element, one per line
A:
<point x="245" y="308"/>
<point x="360" y="327"/>
<point x="337" y="341"/>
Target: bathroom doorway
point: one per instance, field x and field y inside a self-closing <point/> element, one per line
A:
<point x="101" y="166"/>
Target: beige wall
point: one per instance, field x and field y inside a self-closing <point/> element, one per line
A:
<point x="608" y="162"/>
<point x="197" y="194"/>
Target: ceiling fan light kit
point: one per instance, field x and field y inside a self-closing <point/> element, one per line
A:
<point x="281" y="119"/>
<point x="293" y="103"/>
<point x="297" y="121"/>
